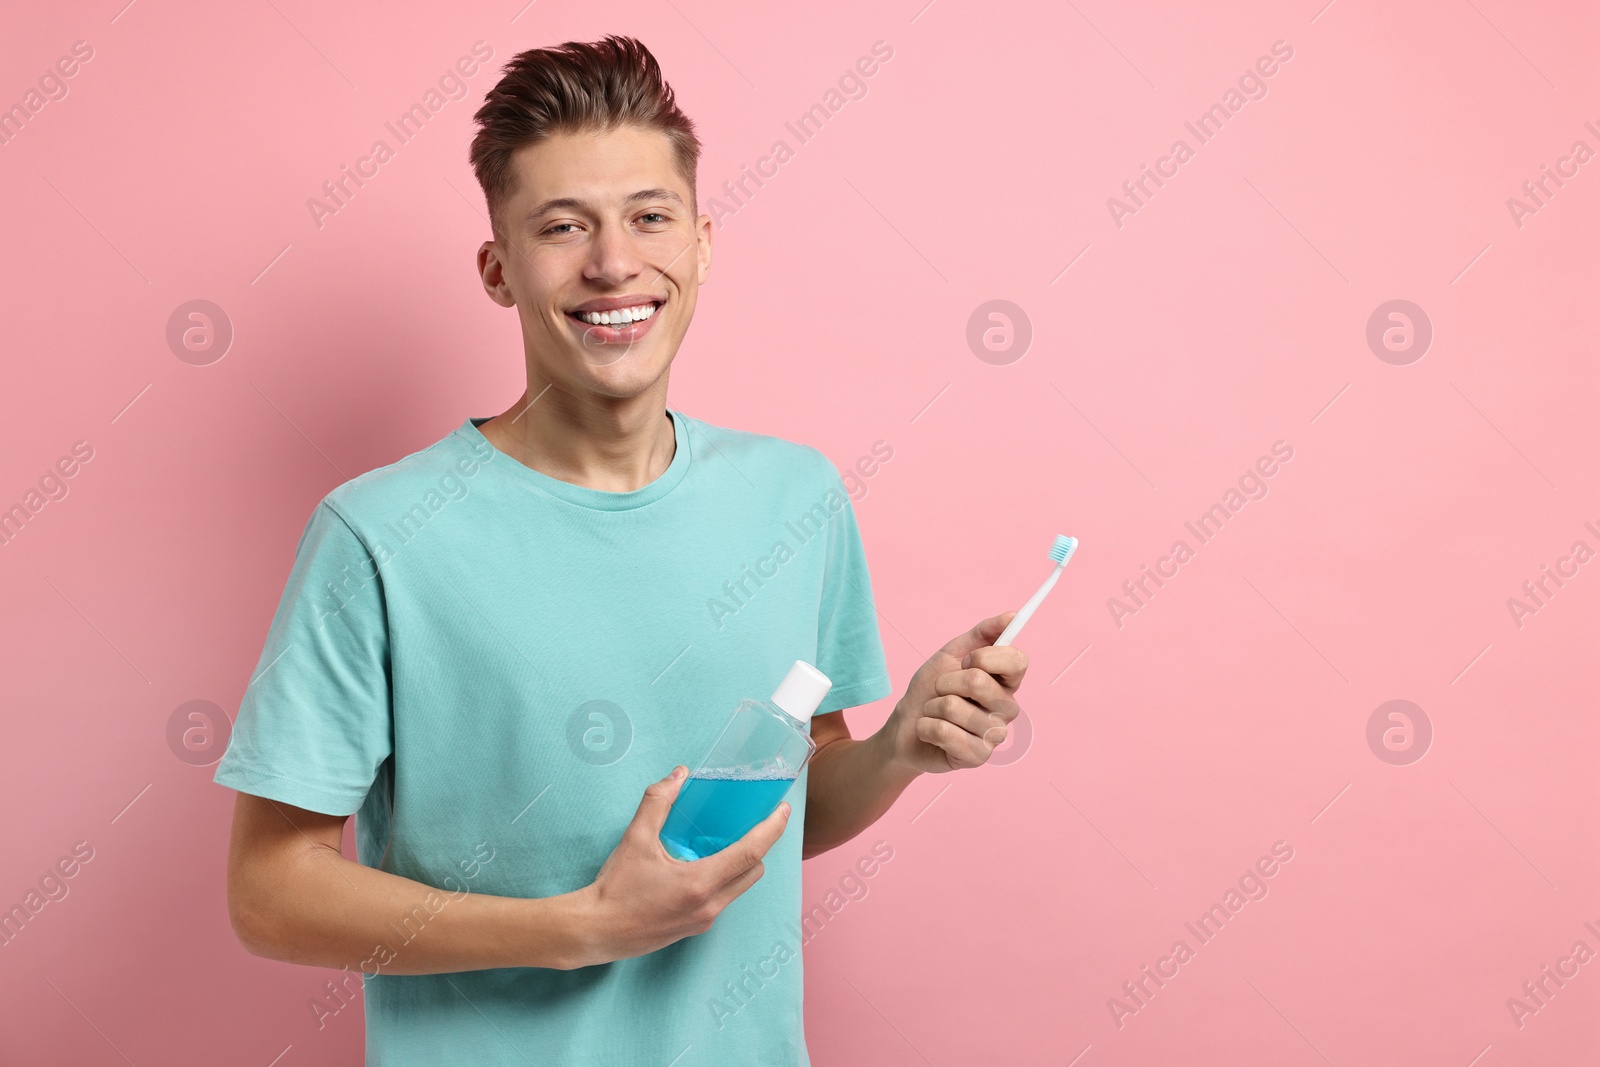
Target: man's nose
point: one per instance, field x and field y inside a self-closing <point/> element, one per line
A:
<point x="613" y="255"/>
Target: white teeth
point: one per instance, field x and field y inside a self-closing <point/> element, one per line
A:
<point x="620" y="317"/>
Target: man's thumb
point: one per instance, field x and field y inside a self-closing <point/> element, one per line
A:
<point x="658" y="798"/>
<point x="984" y="633"/>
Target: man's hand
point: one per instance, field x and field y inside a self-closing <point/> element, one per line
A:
<point x="959" y="703"/>
<point x="644" y="899"/>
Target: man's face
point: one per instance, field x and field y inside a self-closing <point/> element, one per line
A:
<point x="600" y="223"/>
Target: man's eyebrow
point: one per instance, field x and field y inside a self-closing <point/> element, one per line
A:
<point x="560" y="203"/>
<point x="572" y="203"/>
<point x="653" y="194"/>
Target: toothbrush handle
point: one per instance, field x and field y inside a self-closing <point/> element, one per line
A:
<point x="1015" y="626"/>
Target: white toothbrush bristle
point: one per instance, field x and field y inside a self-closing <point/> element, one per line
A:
<point x="1063" y="547"/>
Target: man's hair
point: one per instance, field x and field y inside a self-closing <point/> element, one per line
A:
<point x="579" y="87"/>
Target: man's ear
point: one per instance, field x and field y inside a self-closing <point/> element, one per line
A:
<point x="702" y="240"/>
<point x="492" y="272"/>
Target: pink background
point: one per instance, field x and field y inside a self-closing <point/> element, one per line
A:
<point x="1229" y="312"/>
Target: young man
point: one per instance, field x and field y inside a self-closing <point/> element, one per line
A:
<point x="492" y="647"/>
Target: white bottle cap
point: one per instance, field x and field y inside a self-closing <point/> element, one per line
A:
<point x="802" y="690"/>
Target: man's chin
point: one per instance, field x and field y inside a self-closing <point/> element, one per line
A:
<point x="628" y="375"/>
<point x="602" y="356"/>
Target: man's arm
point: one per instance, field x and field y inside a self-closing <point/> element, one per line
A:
<point x="954" y="713"/>
<point x="293" y="897"/>
<point x="850" y="784"/>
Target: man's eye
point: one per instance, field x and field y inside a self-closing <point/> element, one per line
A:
<point x="653" y="215"/>
<point x="557" y="226"/>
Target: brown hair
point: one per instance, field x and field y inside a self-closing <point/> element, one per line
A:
<point x="577" y="87"/>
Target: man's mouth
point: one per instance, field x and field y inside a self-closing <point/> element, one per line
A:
<point x="615" y="320"/>
<point x="618" y="317"/>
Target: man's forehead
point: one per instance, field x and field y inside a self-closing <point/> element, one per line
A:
<point x="598" y="168"/>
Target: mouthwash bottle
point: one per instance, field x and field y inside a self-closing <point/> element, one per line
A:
<point x="755" y="760"/>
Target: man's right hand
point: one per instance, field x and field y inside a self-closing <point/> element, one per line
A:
<point x="644" y="898"/>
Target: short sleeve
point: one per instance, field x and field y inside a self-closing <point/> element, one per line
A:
<point x="316" y="720"/>
<point x="849" y="648"/>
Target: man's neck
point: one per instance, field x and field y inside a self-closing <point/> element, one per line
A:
<point x="605" y="443"/>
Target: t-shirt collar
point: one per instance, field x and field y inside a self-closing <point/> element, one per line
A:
<point x="582" y="495"/>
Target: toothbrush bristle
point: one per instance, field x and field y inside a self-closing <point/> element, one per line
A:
<point x="1063" y="547"/>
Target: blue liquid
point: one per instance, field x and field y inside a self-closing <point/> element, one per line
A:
<point x="712" y="813"/>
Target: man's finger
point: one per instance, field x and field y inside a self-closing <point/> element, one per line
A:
<point x="981" y="688"/>
<point x="657" y="801"/>
<point x="985" y="632"/>
<point x="978" y="686"/>
<point x="1006" y="662"/>
<point x="731" y="890"/>
<point x="973" y="718"/>
<point x="734" y="861"/>
<point x="961" y="749"/>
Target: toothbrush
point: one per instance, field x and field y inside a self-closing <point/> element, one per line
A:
<point x="1061" y="550"/>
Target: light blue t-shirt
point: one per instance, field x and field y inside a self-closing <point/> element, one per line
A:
<point x="487" y="665"/>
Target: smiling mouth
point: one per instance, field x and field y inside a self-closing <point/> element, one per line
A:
<point x="619" y="318"/>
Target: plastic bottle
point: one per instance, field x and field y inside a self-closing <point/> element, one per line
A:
<point x="751" y="767"/>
